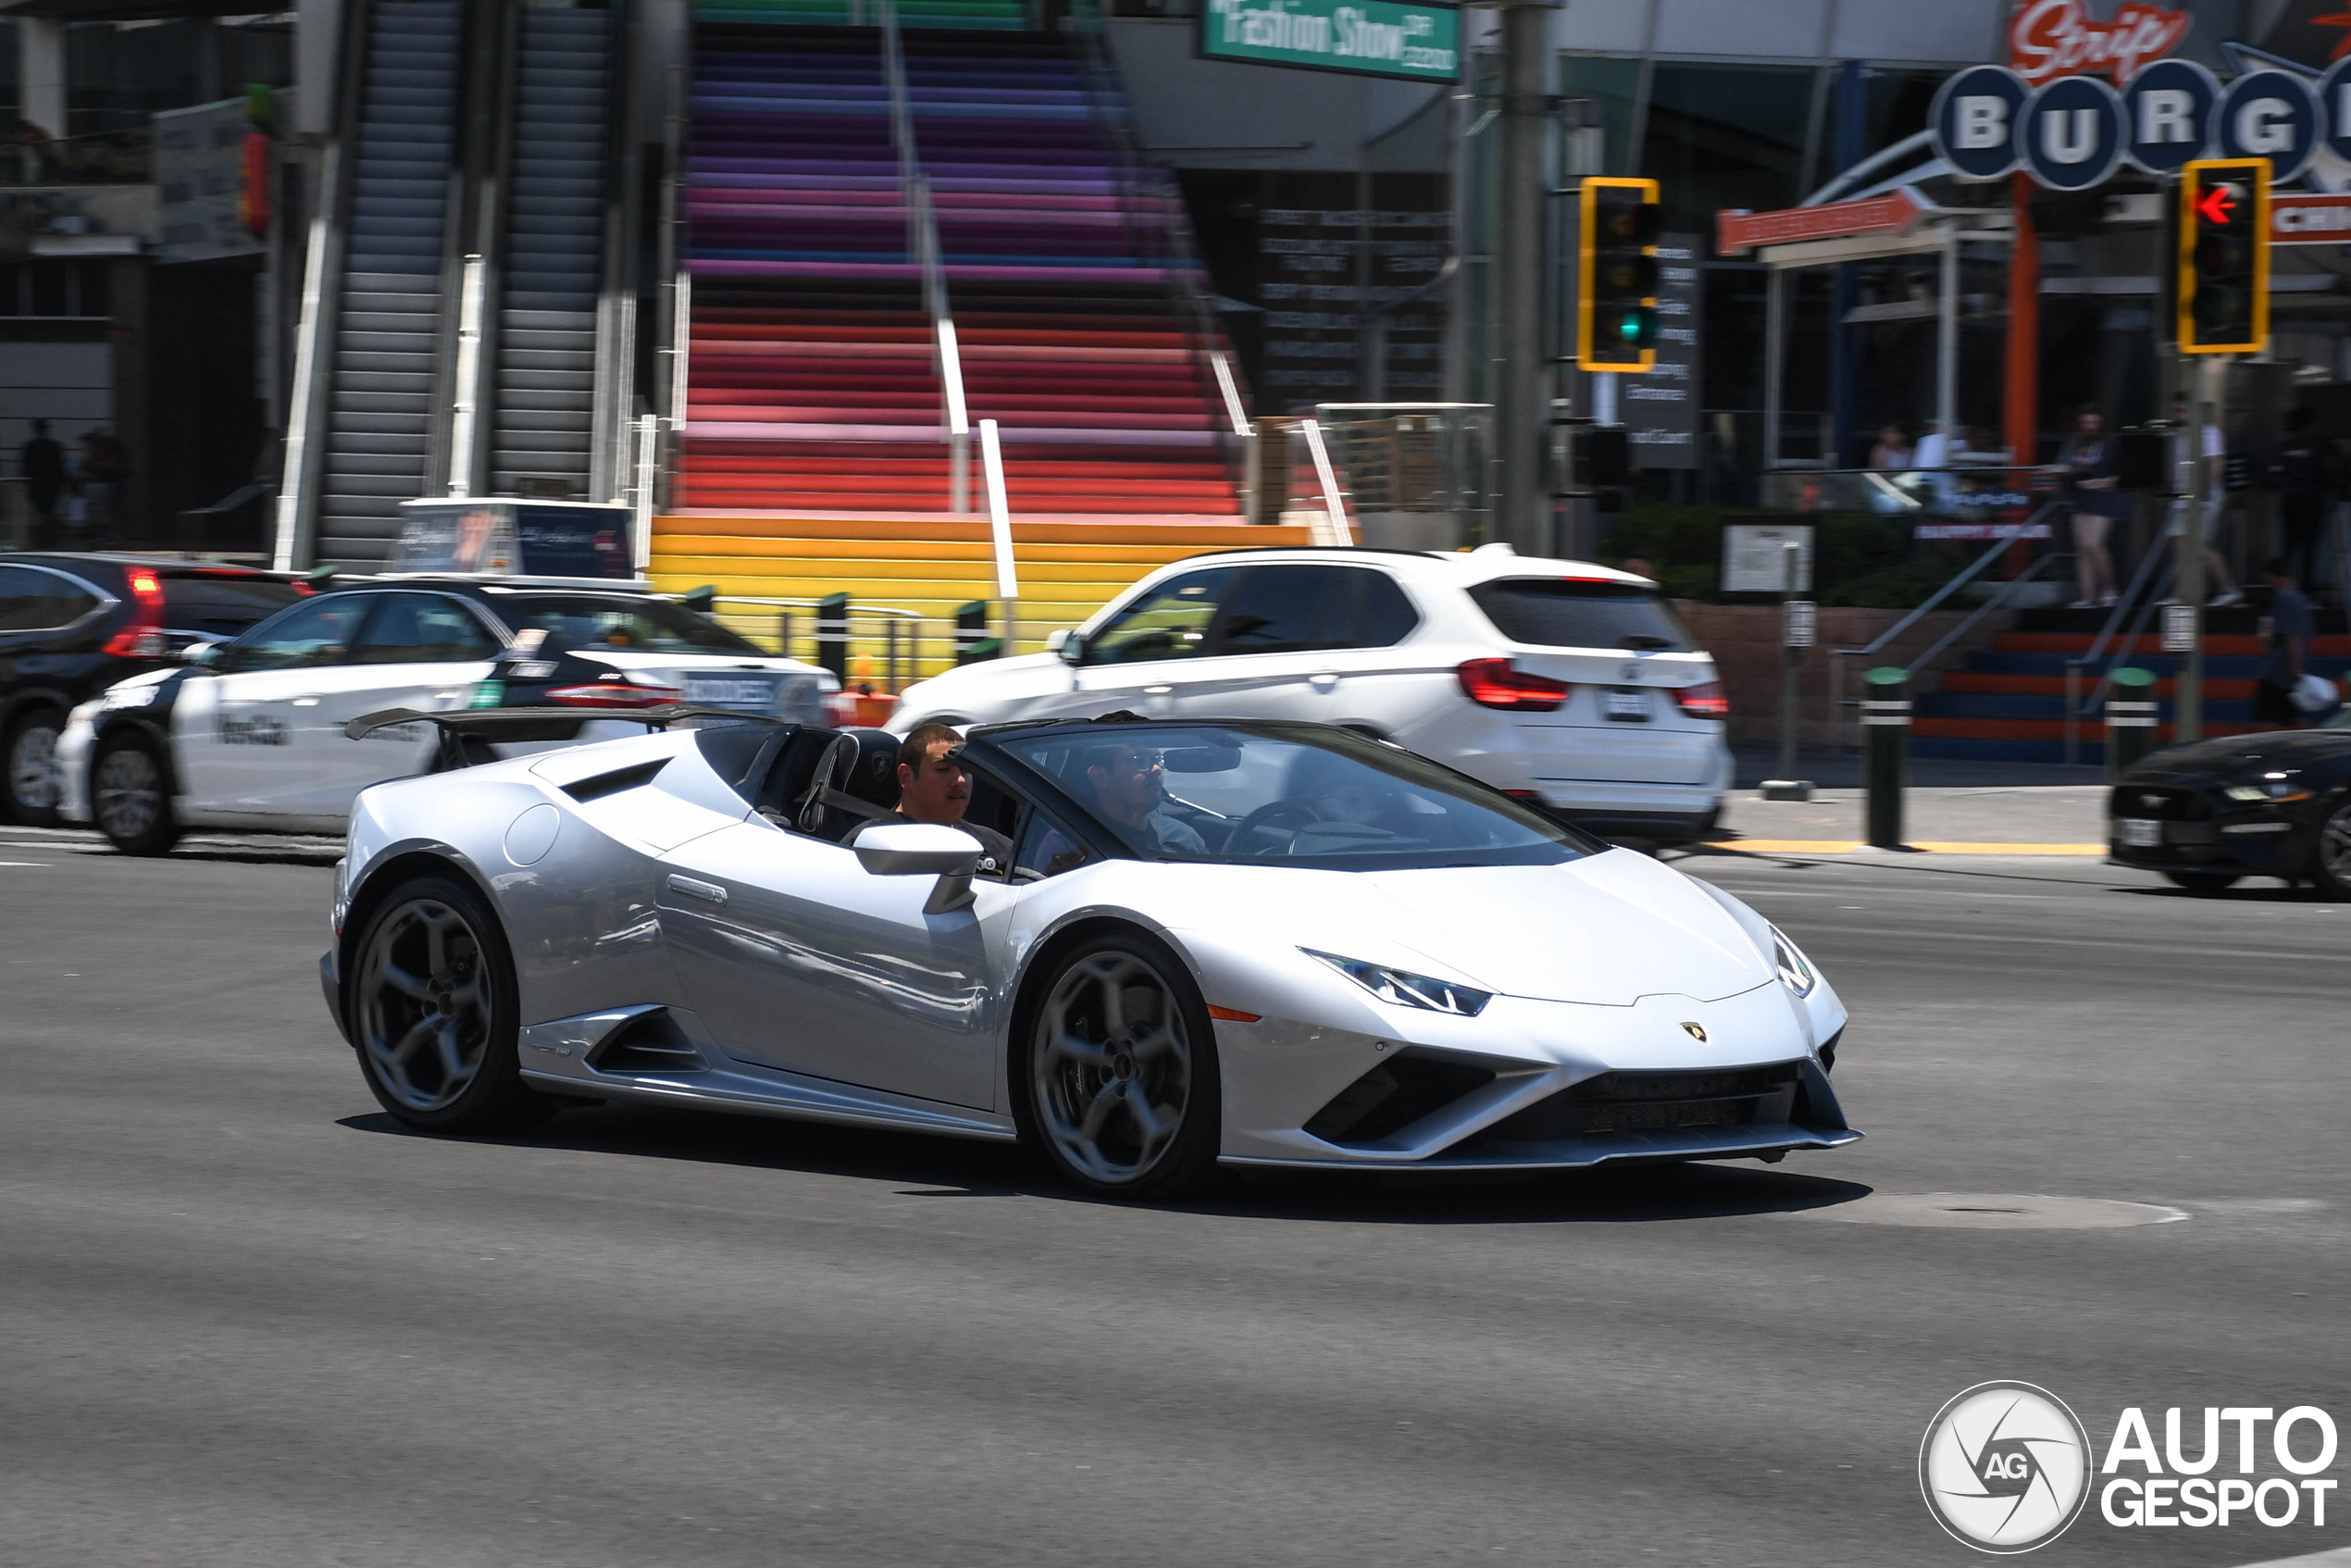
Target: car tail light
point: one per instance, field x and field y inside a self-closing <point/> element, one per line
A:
<point x="615" y="694"/>
<point x="142" y="636"/>
<point x="1496" y="684"/>
<point x="1703" y="701"/>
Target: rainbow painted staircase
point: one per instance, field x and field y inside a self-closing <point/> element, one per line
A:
<point x="2009" y="704"/>
<point x="812" y="459"/>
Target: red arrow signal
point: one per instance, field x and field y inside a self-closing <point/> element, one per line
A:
<point x="2218" y="205"/>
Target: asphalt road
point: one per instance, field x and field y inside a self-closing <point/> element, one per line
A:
<point x="246" y="1320"/>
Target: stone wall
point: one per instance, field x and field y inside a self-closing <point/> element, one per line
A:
<point x="1744" y="641"/>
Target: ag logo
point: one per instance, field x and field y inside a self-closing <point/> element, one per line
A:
<point x="2005" y="1467"/>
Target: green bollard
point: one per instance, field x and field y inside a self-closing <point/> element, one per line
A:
<point x="1885" y="714"/>
<point x="2130" y="715"/>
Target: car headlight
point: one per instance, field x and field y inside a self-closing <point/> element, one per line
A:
<point x="1796" y="971"/>
<point x="2267" y="794"/>
<point x="1407" y="990"/>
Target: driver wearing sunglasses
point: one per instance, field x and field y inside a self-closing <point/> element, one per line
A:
<point x="1129" y="785"/>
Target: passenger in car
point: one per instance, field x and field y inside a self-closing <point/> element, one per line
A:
<point x="934" y="786"/>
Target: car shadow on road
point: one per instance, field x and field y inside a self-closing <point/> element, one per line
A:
<point x="949" y="1169"/>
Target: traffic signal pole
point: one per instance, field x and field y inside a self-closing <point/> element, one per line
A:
<point x="1523" y="412"/>
<point x="2187" y="691"/>
<point x="2223" y="298"/>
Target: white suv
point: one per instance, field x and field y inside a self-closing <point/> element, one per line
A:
<point x="1559" y="681"/>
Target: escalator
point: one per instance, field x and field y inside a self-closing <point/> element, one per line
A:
<point x="482" y="179"/>
<point x="543" y="428"/>
<point x="375" y="426"/>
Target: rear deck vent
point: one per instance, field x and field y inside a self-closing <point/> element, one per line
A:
<point x="1393" y="1096"/>
<point x="613" y="783"/>
<point x="651" y="1043"/>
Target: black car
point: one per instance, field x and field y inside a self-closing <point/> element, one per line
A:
<point x="71" y="626"/>
<point x="2277" y="804"/>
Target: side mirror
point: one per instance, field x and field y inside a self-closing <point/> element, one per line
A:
<point x="701" y="601"/>
<point x="1069" y="644"/>
<point x="923" y="848"/>
<point x="201" y="655"/>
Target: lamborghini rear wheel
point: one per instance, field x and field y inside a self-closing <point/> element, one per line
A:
<point x="1120" y="1074"/>
<point x="434" y="1015"/>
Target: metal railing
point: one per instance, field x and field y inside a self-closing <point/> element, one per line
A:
<point x="789" y="624"/>
<point x="1152" y="208"/>
<point x="922" y="245"/>
<point x="2035" y="526"/>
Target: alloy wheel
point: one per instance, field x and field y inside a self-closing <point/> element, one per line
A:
<point x="1111" y="1069"/>
<point x="2334" y="846"/>
<point x="128" y="790"/>
<point x="32" y="766"/>
<point x="424" y="1004"/>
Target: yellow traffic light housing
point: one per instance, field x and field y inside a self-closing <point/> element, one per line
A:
<point x="1616" y="274"/>
<point x="2224" y="294"/>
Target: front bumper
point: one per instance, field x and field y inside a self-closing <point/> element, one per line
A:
<point x="1527" y="1085"/>
<point x="2258" y="841"/>
<point x="73" y="763"/>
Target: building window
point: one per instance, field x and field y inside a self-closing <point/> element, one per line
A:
<point x="1614" y="87"/>
<point x="1728" y="136"/>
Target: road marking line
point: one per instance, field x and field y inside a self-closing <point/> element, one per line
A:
<point x="23" y="863"/>
<point x="1934" y="847"/>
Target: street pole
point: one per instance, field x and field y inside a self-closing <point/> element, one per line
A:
<point x="1522" y="206"/>
<point x="2187" y="698"/>
<point x="1799" y="631"/>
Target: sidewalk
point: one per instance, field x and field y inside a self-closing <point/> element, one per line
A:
<point x="2035" y="819"/>
<point x="1843" y="770"/>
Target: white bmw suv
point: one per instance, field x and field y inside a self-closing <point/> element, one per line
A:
<point x="1559" y="681"/>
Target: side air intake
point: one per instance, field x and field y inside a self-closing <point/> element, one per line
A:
<point x="1393" y="1096"/>
<point x="651" y="1043"/>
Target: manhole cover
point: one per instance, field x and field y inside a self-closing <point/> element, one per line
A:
<point x="1993" y="1211"/>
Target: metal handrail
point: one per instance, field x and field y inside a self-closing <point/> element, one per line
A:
<point x="922" y="245"/>
<point x="1999" y="547"/>
<point x="893" y="619"/>
<point x="1173" y="250"/>
<point x="1999" y="597"/>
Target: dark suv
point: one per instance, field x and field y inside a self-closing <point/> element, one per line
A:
<point x="71" y="626"/>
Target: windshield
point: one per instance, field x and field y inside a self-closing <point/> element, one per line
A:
<point x="1300" y="795"/>
<point x="621" y="622"/>
<point x="1577" y="613"/>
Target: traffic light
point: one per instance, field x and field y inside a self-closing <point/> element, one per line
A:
<point x="1616" y="275"/>
<point x="2224" y="256"/>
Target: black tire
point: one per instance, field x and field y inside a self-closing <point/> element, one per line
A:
<point x="433" y="1013"/>
<point x="2330" y="855"/>
<point x="2203" y="884"/>
<point x="131" y="792"/>
<point x="28" y="753"/>
<point x="1077" y="1072"/>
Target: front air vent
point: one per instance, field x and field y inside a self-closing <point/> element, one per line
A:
<point x="1632" y="1102"/>
<point x="1393" y="1096"/>
<point x="651" y="1043"/>
<point x="598" y="785"/>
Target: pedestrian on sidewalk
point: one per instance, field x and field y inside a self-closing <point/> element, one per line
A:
<point x="2216" y="460"/>
<point x="2085" y="468"/>
<point x="42" y="462"/>
<point x="2303" y="471"/>
<point x="2288" y="652"/>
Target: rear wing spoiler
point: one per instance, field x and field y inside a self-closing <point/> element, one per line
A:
<point x="468" y="733"/>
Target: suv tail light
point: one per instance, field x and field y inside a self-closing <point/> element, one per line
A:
<point x="142" y="636"/>
<point x="616" y="694"/>
<point x="1703" y="701"/>
<point x="1496" y="684"/>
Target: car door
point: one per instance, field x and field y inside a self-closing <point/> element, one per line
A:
<point x="1289" y="639"/>
<point x="1137" y="658"/>
<point x="422" y="650"/>
<point x="233" y="724"/>
<point x="797" y="958"/>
